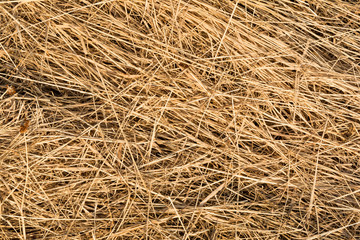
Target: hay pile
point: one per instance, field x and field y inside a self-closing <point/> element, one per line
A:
<point x="219" y="119"/>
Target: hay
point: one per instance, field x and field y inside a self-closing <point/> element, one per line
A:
<point x="179" y="119"/>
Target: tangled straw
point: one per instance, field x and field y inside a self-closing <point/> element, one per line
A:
<point x="195" y="119"/>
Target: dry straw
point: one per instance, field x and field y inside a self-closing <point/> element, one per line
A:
<point x="186" y="119"/>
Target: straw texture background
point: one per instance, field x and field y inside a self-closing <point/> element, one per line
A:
<point x="180" y="119"/>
